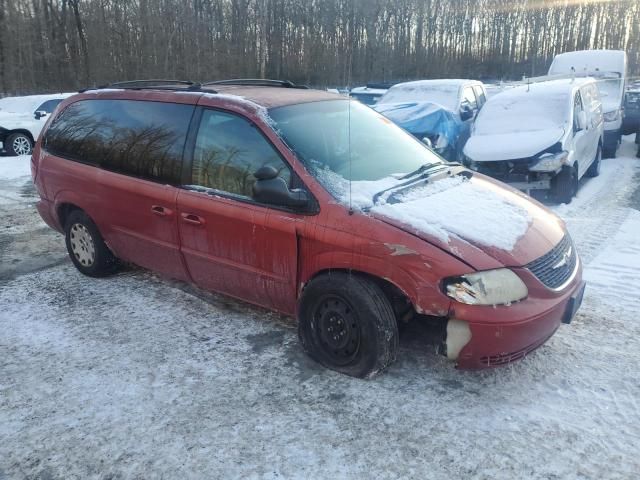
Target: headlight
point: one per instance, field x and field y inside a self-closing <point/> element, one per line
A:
<point x="549" y="162"/>
<point x="492" y="287"/>
<point x="611" y="116"/>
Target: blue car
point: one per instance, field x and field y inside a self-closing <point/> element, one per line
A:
<point x="437" y="112"/>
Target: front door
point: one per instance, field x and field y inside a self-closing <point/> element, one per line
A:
<point x="581" y="136"/>
<point x="230" y="243"/>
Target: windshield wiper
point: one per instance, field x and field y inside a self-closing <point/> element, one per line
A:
<point x="422" y="169"/>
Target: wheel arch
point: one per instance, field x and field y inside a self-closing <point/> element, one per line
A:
<point x="24" y="131"/>
<point x="401" y="301"/>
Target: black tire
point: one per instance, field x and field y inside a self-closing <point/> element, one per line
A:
<point x="564" y="185"/>
<point x="594" y="168"/>
<point x="18" y="144"/>
<point x="364" y="339"/>
<point x="86" y="247"/>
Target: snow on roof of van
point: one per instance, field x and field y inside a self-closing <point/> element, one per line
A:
<point x="590" y="61"/>
<point x="537" y="106"/>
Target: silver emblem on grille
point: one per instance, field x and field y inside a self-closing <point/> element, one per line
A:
<point x="564" y="260"/>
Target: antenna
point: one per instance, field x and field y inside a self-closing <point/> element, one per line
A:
<point x="350" y="68"/>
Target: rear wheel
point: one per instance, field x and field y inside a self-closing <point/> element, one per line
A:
<point x="594" y="168"/>
<point x="564" y="185"/>
<point x="86" y="247"/>
<point x="18" y="144"/>
<point x="346" y="323"/>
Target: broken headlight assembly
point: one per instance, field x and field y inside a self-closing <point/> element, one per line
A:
<point x="549" y="162"/>
<point x="491" y="287"/>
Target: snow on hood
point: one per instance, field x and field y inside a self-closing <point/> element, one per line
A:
<point x="509" y="146"/>
<point x="462" y="208"/>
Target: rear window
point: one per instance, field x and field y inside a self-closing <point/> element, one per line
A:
<point x="137" y="138"/>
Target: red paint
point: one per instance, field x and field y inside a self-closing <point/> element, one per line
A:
<point x="264" y="256"/>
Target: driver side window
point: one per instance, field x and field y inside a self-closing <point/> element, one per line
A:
<point x="229" y="150"/>
<point x="577" y="108"/>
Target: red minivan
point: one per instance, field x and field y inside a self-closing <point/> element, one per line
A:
<point x="310" y="204"/>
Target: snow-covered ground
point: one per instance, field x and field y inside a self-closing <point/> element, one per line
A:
<point x="138" y="377"/>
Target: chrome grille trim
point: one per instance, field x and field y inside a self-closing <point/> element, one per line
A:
<point x="558" y="267"/>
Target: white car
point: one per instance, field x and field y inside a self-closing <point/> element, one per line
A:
<point x="543" y="136"/>
<point x="22" y="119"/>
<point x="609" y="68"/>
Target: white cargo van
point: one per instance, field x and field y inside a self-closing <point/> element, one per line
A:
<point x="609" y="68"/>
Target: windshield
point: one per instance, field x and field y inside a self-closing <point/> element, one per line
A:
<point x="445" y="95"/>
<point x="523" y="111"/>
<point x="610" y="90"/>
<point x="377" y="154"/>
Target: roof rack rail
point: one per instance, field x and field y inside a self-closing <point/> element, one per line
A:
<point x="257" y="82"/>
<point x="177" y="85"/>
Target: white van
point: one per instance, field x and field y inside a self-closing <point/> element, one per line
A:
<point x="609" y="67"/>
<point x="543" y="136"/>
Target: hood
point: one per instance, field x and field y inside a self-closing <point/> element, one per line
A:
<point x="422" y="118"/>
<point x="14" y="117"/>
<point x="510" y="146"/>
<point x="611" y="104"/>
<point x="476" y="219"/>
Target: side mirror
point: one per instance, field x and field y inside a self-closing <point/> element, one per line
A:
<point x="40" y="114"/>
<point x="427" y="142"/>
<point x="466" y="112"/>
<point x="582" y="120"/>
<point x="273" y="190"/>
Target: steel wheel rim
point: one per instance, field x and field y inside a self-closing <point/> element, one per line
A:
<point x="21" y="145"/>
<point x="337" y="330"/>
<point x="82" y="245"/>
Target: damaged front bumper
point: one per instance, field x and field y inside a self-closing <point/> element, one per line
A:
<point x="489" y="336"/>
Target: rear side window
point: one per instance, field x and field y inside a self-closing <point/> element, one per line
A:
<point x="137" y="138"/>
<point x="229" y="149"/>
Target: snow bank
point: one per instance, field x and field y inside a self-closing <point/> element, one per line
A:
<point x="458" y="206"/>
<point x="12" y="168"/>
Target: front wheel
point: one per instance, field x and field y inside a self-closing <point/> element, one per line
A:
<point x="594" y="168"/>
<point x="564" y="185"/>
<point x="346" y="323"/>
<point x="18" y="144"/>
<point x="86" y="247"/>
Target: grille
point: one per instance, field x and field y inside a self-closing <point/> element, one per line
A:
<point x="556" y="267"/>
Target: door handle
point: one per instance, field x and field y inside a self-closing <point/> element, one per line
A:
<point x="161" y="211"/>
<point x="192" y="219"/>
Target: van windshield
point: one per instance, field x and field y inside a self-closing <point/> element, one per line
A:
<point x="372" y="149"/>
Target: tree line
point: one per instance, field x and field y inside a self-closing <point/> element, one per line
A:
<point x="62" y="45"/>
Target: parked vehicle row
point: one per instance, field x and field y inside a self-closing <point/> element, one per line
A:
<point x="310" y="204"/>
<point x="539" y="134"/>
<point x="22" y="119"/>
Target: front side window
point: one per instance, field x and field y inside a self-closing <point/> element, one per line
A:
<point x="577" y="108"/>
<point x="468" y="97"/>
<point x="482" y="98"/>
<point x="229" y="150"/>
<point x="49" y="106"/>
<point x="136" y="138"/>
